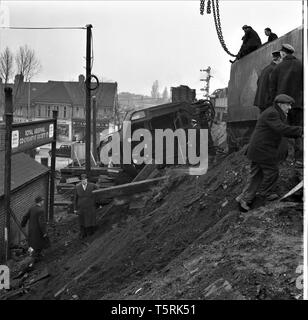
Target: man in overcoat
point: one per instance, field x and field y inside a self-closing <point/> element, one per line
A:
<point x="262" y="97"/>
<point x="263" y="149"/>
<point x="37" y="227"/>
<point x="84" y="203"/>
<point x="251" y="42"/>
<point x="287" y="78"/>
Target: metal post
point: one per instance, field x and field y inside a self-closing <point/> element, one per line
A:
<point x="8" y="115"/>
<point x="94" y="128"/>
<point x="53" y="167"/>
<point x="88" y="100"/>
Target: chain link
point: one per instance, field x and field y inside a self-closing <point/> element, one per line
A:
<point x="216" y="16"/>
<point x="208" y="9"/>
<point x="218" y="27"/>
<point x="202" y="7"/>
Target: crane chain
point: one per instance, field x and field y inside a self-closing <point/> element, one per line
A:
<point x="202" y="7"/>
<point x="216" y="16"/>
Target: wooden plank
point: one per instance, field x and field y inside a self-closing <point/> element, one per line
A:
<point x="292" y="191"/>
<point x="145" y="172"/>
<point x="128" y="188"/>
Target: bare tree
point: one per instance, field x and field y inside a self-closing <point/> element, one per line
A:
<point x="27" y="62"/>
<point x="6" y="65"/>
<point x="165" y="95"/>
<point x="155" y="90"/>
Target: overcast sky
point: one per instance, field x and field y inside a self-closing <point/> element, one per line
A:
<point x="137" y="42"/>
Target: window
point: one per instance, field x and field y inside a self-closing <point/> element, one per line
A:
<point x="39" y="111"/>
<point x="64" y="112"/>
<point x="48" y="111"/>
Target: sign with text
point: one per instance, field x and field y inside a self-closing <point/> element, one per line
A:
<point x="30" y="135"/>
<point x="81" y="123"/>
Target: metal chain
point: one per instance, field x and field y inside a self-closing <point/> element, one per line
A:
<point x="218" y="27"/>
<point x="216" y="16"/>
<point x="208" y="9"/>
<point x="202" y="7"/>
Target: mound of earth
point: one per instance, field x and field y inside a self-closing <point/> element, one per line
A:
<point x="189" y="241"/>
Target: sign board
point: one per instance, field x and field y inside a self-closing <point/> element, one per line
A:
<point x="100" y="124"/>
<point x="30" y="135"/>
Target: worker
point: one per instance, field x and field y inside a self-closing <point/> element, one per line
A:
<point x="37" y="228"/>
<point x="271" y="36"/>
<point x="287" y="78"/>
<point x="84" y="204"/>
<point x="262" y="97"/>
<point x="251" y="42"/>
<point x="263" y="149"/>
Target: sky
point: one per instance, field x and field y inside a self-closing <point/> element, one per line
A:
<point x="138" y="42"/>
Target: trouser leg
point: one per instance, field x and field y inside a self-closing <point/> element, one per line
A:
<point x="253" y="183"/>
<point x="270" y="178"/>
<point x="83" y="232"/>
<point x="295" y="118"/>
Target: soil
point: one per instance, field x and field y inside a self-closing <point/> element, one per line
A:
<point x="189" y="241"/>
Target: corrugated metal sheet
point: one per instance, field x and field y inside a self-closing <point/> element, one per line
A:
<point x="24" y="169"/>
<point x="21" y="201"/>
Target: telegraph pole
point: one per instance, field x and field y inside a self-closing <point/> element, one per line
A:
<point x="8" y="118"/>
<point x="88" y="100"/>
<point x="207" y="80"/>
<point x="94" y="128"/>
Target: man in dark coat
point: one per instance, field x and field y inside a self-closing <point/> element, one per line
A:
<point x="271" y="36"/>
<point x="251" y="42"/>
<point x="262" y="98"/>
<point x="263" y="149"/>
<point x="287" y="78"/>
<point x="37" y="228"/>
<point x="84" y="202"/>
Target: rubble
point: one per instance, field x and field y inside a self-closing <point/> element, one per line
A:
<point x="190" y="242"/>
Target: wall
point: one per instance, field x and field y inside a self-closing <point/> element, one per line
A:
<point x="245" y="72"/>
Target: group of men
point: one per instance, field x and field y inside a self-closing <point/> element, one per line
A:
<point x="84" y="205"/>
<point x="252" y="41"/>
<point x="279" y="97"/>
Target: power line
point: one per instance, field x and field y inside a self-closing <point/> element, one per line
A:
<point x="44" y="28"/>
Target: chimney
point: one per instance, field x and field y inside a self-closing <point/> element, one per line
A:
<point x="19" y="78"/>
<point x="81" y="79"/>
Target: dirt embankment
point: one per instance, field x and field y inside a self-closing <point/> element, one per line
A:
<point x="188" y="242"/>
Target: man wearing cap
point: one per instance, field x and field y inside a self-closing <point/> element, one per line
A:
<point x="37" y="227"/>
<point x="271" y="35"/>
<point x="287" y="78"/>
<point x="251" y="42"/>
<point x="263" y="149"/>
<point x="262" y="97"/>
<point x="84" y="203"/>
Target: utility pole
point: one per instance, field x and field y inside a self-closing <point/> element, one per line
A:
<point x="8" y="118"/>
<point x="53" y="168"/>
<point x="94" y="128"/>
<point x="207" y="80"/>
<point x="88" y="100"/>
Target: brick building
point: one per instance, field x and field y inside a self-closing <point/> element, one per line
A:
<point x="37" y="100"/>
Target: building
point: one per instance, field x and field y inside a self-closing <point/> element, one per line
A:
<point x="37" y="100"/>
<point x="183" y="94"/>
<point x="130" y="101"/>
<point x="29" y="180"/>
<point x="220" y="100"/>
